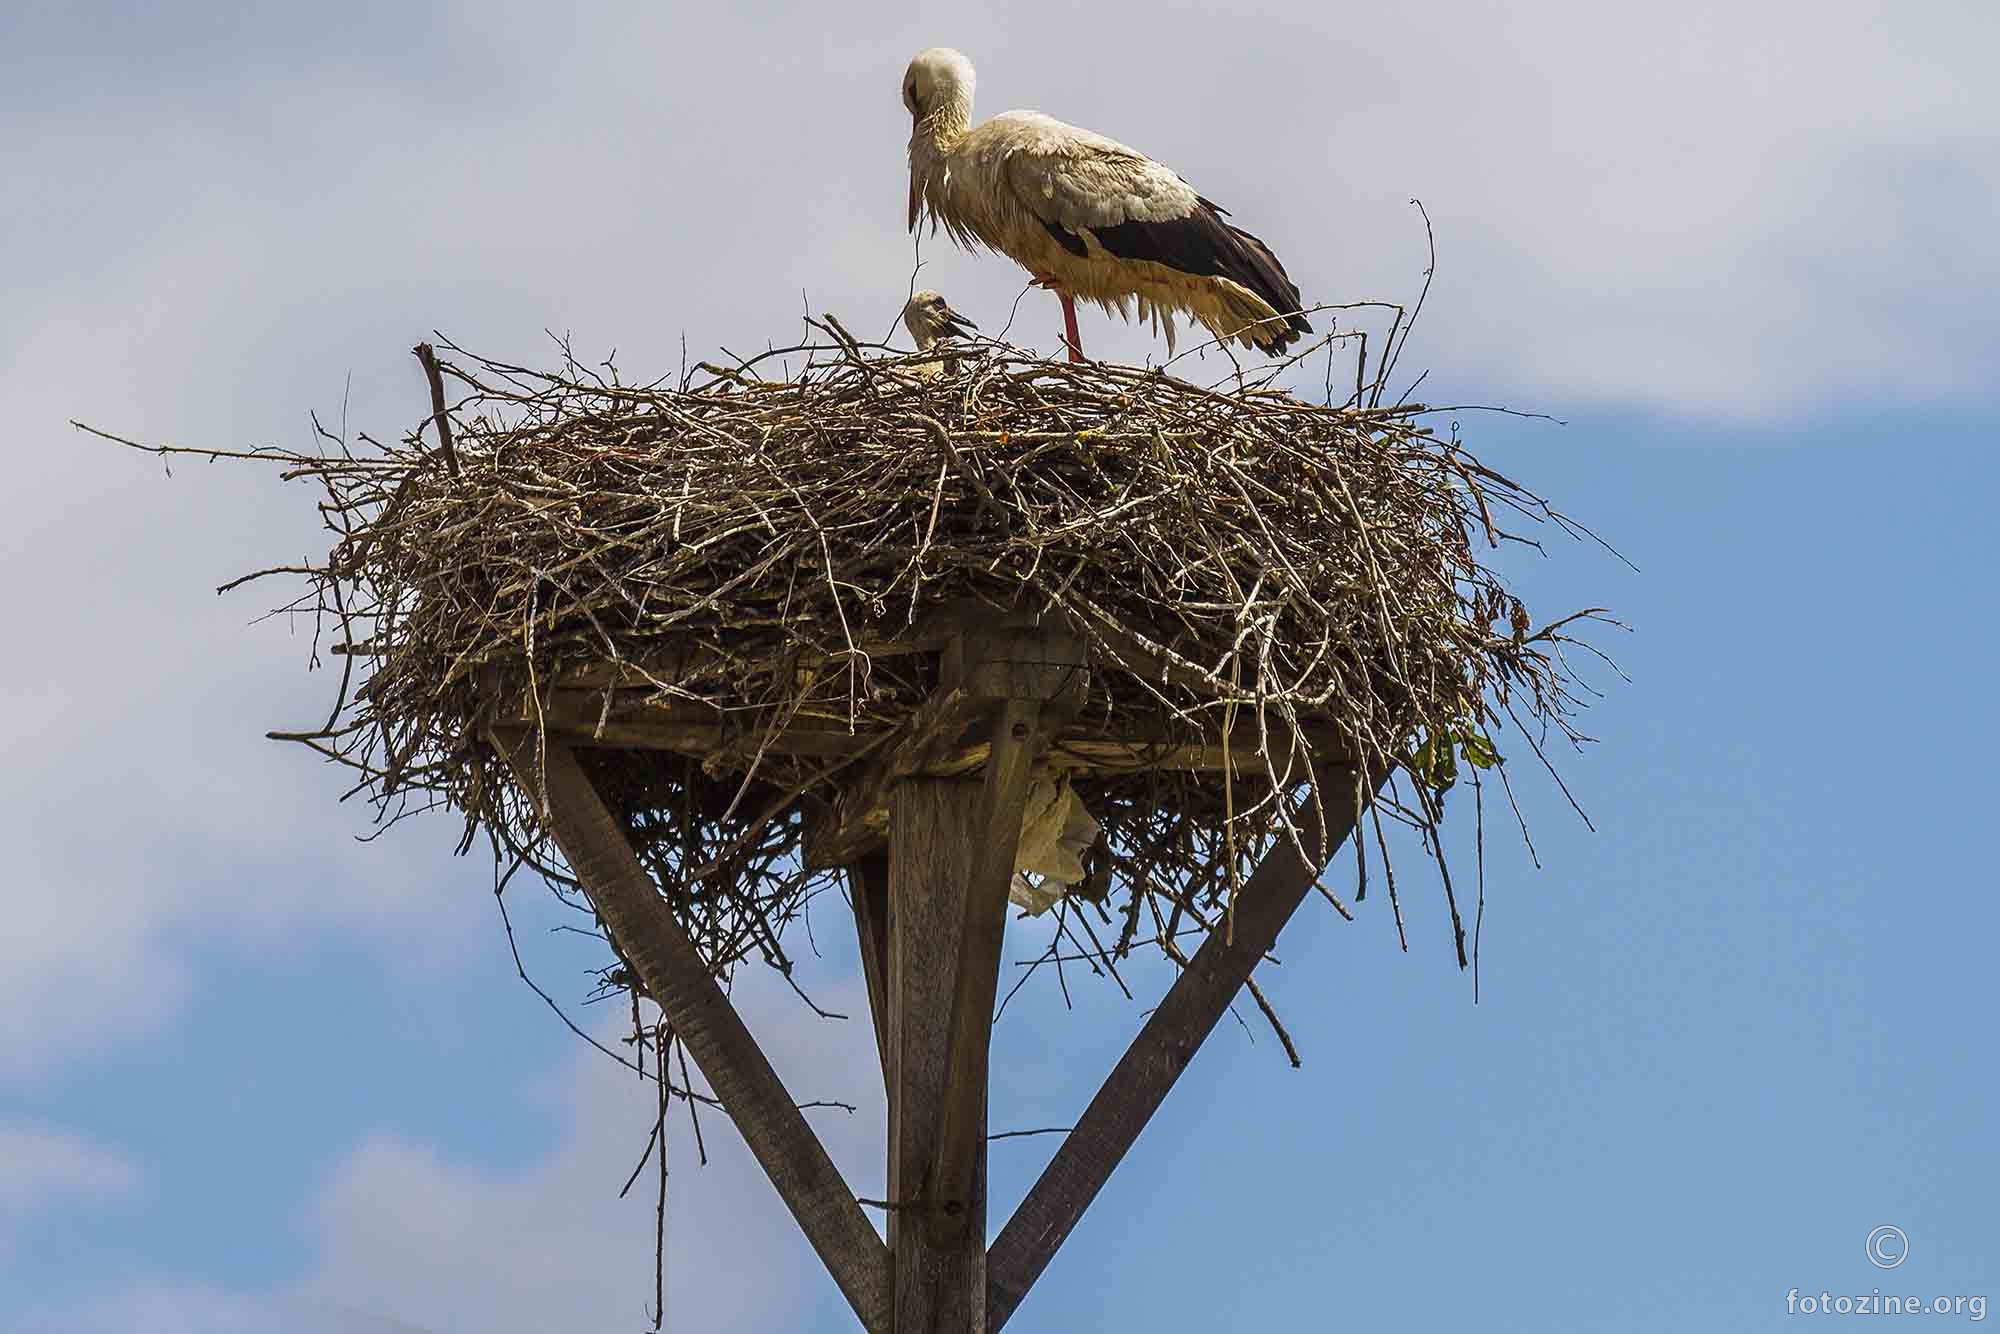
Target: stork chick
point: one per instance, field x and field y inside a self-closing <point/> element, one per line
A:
<point x="1088" y="217"/>
<point x="930" y="320"/>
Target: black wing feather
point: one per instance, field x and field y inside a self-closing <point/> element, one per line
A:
<point x="1067" y="239"/>
<point x="1203" y="245"/>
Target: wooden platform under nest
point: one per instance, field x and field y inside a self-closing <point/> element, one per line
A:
<point x="630" y="707"/>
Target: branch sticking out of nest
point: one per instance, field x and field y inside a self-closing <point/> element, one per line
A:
<point x="761" y="553"/>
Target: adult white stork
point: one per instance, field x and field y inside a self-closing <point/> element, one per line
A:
<point x="1087" y="217"/>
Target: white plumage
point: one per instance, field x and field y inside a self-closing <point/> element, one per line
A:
<point x="1087" y="216"/>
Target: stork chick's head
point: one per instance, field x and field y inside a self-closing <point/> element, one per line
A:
<point x="929" y="317"/>
<point x="938" y="79"/>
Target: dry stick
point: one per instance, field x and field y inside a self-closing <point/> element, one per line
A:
<point x="1389" y="873"/>
<point x="694" y="1108"/>
<point x="1392" y="352"/>
<point x="645" y="1156"/>
<point x="1479" y="864"/>
<point x="1271" y="1016"/>
<point x="1102" y="954"/>
<point x="522" y="969"/>
<point x="438" y="413"/>
<point x="660" y="1207"/>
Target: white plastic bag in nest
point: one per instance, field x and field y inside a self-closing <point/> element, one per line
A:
<point x="1055" y="829"/>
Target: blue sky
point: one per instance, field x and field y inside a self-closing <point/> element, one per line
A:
<point x="256" y="1075"/>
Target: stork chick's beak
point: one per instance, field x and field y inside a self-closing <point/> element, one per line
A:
<point x="913" y="201"/>
<point x="956" y="324"/>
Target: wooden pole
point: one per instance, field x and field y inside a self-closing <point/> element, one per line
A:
<point x="952" y="849"/>
<point x="940" y="1272"/>
<point x="996" y="839"/>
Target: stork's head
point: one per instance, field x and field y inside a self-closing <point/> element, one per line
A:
<point x="937" y="92"/>
<point x="938" y="79"/>
<point x="929" y="317"/>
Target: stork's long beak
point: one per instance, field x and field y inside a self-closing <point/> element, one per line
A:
<point x="913" y="201"/>
<point x="957" y="325"/>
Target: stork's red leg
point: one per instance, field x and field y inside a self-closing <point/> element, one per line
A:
<point x="1070" y="335"/>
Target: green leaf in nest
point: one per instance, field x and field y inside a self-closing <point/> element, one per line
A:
<point x="1434" y="763"/>
<point x="1478" y="750"/>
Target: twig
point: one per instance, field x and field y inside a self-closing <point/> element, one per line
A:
<point x="438" y="413"/>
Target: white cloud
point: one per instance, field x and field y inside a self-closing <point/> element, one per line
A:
<point x="404" y="1231"/>
<point x="410" y="1240"/>
<point x="42" y="1166"/>
<point x="161" y="1307"/>
<point x="164" y="1306"/>
<point x="141" y="797"/>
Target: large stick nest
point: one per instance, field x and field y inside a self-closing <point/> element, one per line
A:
<point x="766" y="542"/>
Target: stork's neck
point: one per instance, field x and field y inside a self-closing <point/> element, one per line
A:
<point x="932" y="141"/>
<point x="939" y="132"/>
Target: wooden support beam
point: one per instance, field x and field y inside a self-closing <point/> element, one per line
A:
<point x="940" y="1274"/>
<point x="1146" y="1073"/>
<point x="868" y="886"/>
<point x="931" y="743"/>
<point x="690" y="659"/>
<point x="574" y="721"/>
<point x="627" y="899"/>
<point x="638" y="721"/>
